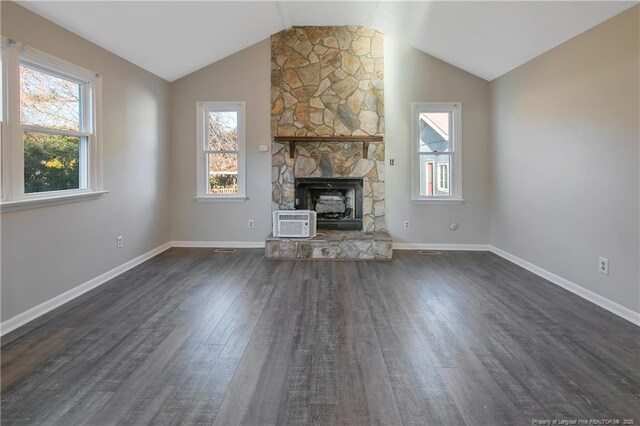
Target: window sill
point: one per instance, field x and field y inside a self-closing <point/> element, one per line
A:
<point x="220" y="199"/>
<point x="437" y="201"/>
<point x="34" y="203"/>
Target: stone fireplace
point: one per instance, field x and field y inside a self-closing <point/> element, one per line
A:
<point x="327" y="124"/>
<point x="331" y="160"/>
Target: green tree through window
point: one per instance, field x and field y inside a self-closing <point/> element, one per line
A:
<point x="51" y="162"/>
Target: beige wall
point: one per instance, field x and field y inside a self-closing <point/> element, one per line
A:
<point x="243" y="76"/>
<point x="410" y="75"/>
<point x="565" y="160"/>
<point x="413" y="76"/>
<point x="47" y="251"/>
<point x="560" y="196"/>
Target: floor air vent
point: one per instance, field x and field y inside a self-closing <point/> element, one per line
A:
<point x="429" y="252"/>
<point x="225" y="250"/>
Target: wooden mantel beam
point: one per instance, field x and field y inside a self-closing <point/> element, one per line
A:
<point x="317" y="139"/>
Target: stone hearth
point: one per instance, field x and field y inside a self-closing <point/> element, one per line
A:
<point x="375" y="245"/>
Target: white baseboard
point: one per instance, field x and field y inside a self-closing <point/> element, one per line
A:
<point x="603" y="302"/>
<point x="462" y="247"/>
<point x="218" y="244"/>
<point x="33" y="313"/>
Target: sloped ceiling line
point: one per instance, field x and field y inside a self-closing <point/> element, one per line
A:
<point x="172" y="39"/>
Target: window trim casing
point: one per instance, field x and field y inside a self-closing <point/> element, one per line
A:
<point x="201" y="158"/>
<point x="12" y="151"/>
<point x="455" y="173"/>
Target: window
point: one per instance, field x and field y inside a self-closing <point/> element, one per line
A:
<point x="443" y="177"/>
<point x="437" y="151"/>
<point x="50" y="146"/>
<point x="221" y="151"/>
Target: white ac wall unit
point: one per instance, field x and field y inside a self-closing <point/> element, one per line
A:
<point x="294" y="223"/>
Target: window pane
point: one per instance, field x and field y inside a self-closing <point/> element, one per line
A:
<point x="222" y="131"/>
<point x="435" y="175"/>
<point x="49" y="101"/>
<point x="223" y="173"/>
<point x="442" y="171"/>
<point x="435" y="132"/>
<point x="51" y="162"/>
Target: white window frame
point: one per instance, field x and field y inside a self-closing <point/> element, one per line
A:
<point x="13" y="196"/>
<point x="442" y="177"/>
<point x="455" y="167"/>
<point x="202" y="167"/>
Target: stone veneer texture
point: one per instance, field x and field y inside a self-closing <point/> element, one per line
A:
<point x="328" y="81"/>
<point x="332" y="245"/>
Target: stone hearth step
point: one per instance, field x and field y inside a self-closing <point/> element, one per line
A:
<point x="332" y="245"/>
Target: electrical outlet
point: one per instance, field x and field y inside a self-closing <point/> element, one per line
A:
<point x="392" y="161"/>
<point x="119" y="241"/>
<point x="603" y="266"/>
<point x="406" y="224"/>
<point x="251" y="223"/>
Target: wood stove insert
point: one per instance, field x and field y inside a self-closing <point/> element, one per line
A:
<point x="337" y="201"/>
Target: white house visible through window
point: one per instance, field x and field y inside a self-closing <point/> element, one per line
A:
<point x="443" y="178"/>
<point x="221" y="150"/>
<point x="437" y="151"/>
<point x="50" y="145"/>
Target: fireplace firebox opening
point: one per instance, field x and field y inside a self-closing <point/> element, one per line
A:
<point x="337" y="201"/>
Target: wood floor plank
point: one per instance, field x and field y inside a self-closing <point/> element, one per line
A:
<point x="381" y="403"/>
<point x="198" y="337"/>
<point x="420" y="393"/>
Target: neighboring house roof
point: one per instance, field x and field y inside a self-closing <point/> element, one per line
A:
<point x="434" y="131"/>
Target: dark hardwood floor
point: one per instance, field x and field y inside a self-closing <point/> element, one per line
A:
<point x="197" y="337"/>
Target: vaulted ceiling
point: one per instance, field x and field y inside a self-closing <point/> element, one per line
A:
<point x="174" y="38"/>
